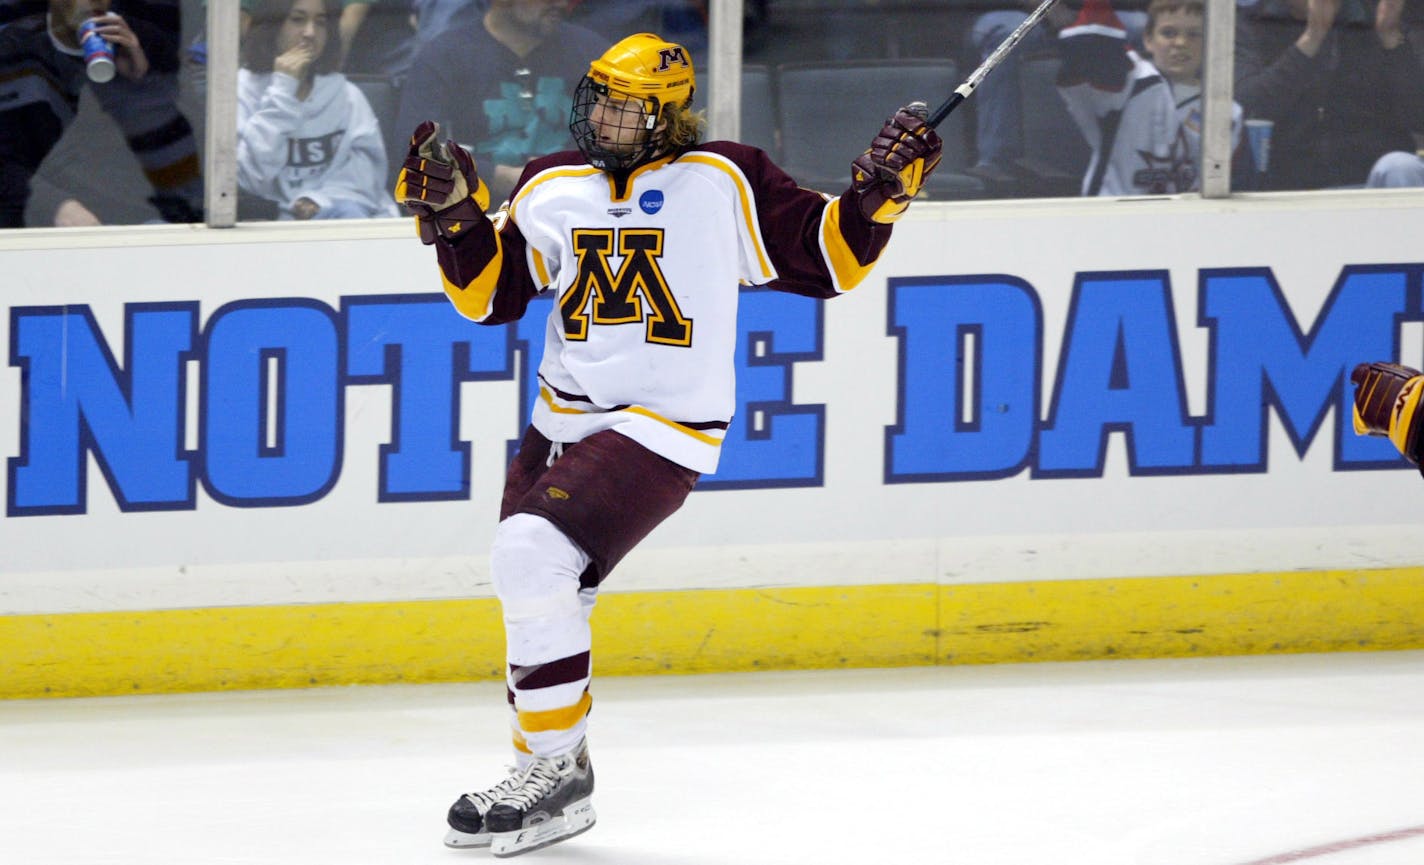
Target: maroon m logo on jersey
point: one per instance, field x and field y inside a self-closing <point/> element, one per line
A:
<point x="601" y="296"/>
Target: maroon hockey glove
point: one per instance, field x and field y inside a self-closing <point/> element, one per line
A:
<point x="1387" y="404"/>
<point x="439" y="185"/>
<point x="891" y="172"/>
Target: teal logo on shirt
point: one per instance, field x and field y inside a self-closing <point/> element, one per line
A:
<point x="524" y="122"/>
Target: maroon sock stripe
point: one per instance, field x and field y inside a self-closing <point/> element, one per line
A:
<point x="564" y="671"/>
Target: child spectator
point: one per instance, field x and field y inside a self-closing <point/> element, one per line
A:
<point x="1141" y="116"/>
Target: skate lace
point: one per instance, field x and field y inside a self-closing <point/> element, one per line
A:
<point x="486" y="798"/>
<point x="539" y="780"/>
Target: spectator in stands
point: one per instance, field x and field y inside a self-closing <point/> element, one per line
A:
<point x="195" y="57"/>
<point x="198" y="48"/>
<point x="42" y="73"/>
<point x="307" y="139"/>
<point x="1142" y="117"/>
<point x="382" y="37"/>
<point x="998" y="102"/>
<point x="500" y="83"/>
<point x="682" y="21"/>
<point x="433" y="17"/>
<point x="13" y="10"/>
<point x="1338" y="79"/>
<point x="1398" y="168"/>
<point x="377" y="36"/>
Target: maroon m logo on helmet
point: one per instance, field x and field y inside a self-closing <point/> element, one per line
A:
<point x="668" y="56"/>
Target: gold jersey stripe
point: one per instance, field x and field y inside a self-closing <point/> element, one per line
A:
<point x="557" y="409"/>
<point x="628" y="187"/>
<point x="638" y="410"/>
<point x="473" y="300"/>
<point x="686" y="430"/>
<point x="846" y="269"/>
<point x="555" y="719"/>
<point x="541" y="270"/>
<point x="544" y="177"/>
<point x="724" y="166"/>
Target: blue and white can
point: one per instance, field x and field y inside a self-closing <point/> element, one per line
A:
<point x="98" y="53"/>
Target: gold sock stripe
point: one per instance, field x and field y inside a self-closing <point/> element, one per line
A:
<point x="556" y="719"/>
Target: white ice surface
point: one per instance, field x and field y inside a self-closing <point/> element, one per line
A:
<point x="1223" y="761"/>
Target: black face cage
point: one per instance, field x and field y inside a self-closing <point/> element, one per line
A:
<point x="585" y="132"/>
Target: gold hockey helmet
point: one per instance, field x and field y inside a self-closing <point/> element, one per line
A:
<point x="647" y="67"/>
<point x="645" y="74"/>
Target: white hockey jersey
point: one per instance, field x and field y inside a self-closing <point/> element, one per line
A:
<point x="1145" y="134"/>
<point x="327" y="148"/>
<point x="643" y="331"/>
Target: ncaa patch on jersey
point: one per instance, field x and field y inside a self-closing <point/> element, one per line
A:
<point x="651" y="201"/>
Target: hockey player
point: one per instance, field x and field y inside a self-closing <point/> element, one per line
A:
<point x="1141" y="115"/>
<point x="644" y="235"/>
<point x="1387" y="399"/>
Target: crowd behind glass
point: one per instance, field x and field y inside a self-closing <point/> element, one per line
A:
<point x="1328" y="94"/>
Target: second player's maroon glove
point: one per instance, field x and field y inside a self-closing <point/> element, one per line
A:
<point x="893" y="170"/>
<point x="1387" y="398"/>
<point x="438" y="184"/>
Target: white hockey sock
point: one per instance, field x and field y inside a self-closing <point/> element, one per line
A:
<point x="536" y="570"/>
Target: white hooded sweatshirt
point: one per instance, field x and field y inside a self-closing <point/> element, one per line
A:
<point x="326" y="148"/>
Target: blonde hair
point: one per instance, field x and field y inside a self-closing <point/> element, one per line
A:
<point x="684" y="126"/>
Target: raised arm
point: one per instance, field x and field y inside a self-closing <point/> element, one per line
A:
<point x="483" y="267"/>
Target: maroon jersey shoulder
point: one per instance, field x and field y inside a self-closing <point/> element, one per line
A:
<point x="541" y="163"/>
<point x="753" y="161"/>
<point x="552" y="160"/>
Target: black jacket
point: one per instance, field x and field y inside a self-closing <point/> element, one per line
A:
<point x="1335" y="113"/>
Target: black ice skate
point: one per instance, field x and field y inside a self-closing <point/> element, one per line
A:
<point x="467" y="815"/>
<point x="550" y="801"/>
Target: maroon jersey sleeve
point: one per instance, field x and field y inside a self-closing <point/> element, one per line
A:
<point x="485" y="272"/>
<point x="820" y="246"/>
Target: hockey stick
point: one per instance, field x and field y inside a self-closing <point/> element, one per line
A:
<point x="962" y="92"/>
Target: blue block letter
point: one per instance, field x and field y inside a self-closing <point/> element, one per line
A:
<point x="423" y="349"/>
<point x="964" y="415"/>
<point x="76" y="400"/>
<point x="1119" y="369"/>
<point x="1262" y="359"/>
<point x="265" y="357"/>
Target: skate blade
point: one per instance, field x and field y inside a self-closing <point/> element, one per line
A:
<point x="577" y="819"/>
<point x="464" y="840"/>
